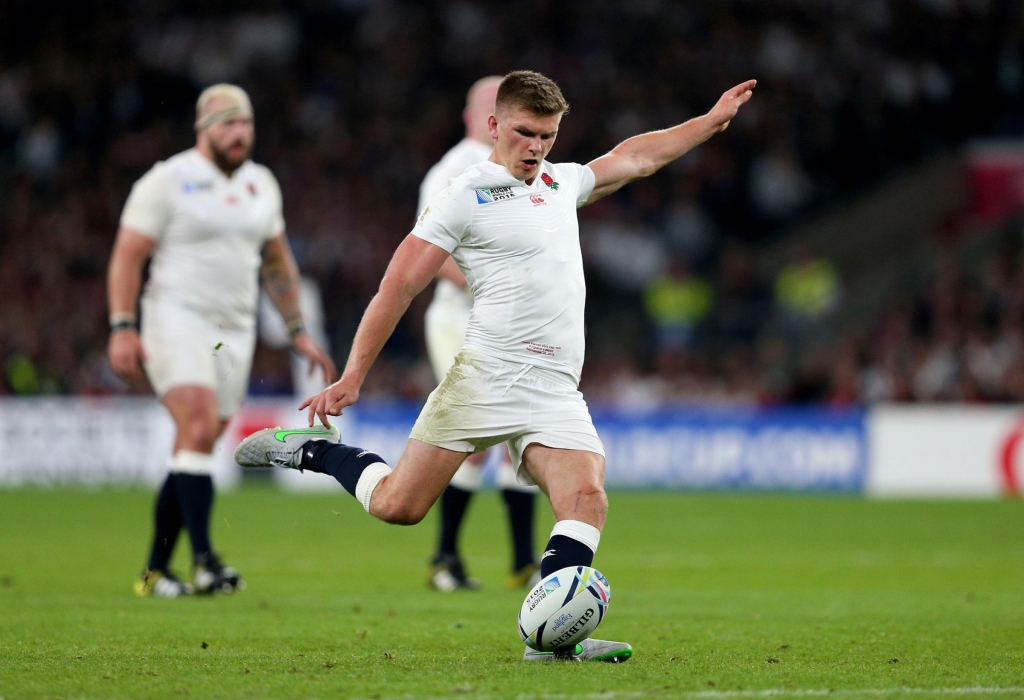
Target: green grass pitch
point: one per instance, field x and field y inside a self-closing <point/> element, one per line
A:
<point x="720" y="595"/>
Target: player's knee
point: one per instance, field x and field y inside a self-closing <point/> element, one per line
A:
<point x="397" y="509"/>
<point x="584" y="500"/>
<point x="595" y="498"/>
<point x="200" y="432"/>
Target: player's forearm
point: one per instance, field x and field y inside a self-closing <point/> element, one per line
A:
<point x="654" y="150"/>
<point x="282" y="286"/>
<point x="280" y="277"/>
<point x="124" y="280"/>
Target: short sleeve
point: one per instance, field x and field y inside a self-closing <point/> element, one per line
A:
<point x="436" y="180"/>
<point x="445" y="220"/>
<point x="276" y="225"/>
<point x="148" y="208"/>
<point x="587" y="179"/>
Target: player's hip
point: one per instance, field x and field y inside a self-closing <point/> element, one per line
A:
<point x="232" y="313"/>
<point x="484" y="400"/>
<point x="190" y="354"/>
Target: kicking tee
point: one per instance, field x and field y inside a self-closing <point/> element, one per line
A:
<point x="210" y="230"/>
<point x="519" y="247"/>
<point x="462" y="155"/>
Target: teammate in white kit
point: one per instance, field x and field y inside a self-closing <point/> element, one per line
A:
<point x="446" y="320"/>
<point x="211" y="221"/>
<point x="510" y="224"/>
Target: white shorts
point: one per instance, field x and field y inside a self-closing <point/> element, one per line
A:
<point x="483" y="401"/>
<point x="183" y="348"/>
<point x="445" y="325"/>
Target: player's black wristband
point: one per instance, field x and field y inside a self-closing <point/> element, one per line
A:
<point x="123" y="326"/>
<point x="295" y="329"/>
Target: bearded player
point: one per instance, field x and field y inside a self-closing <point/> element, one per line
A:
<point x="210" y="221"/>
<point x="510" y="224"/>
<point x="446" y="320"/>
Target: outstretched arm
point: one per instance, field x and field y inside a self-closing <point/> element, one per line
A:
<point x="645" y="154"/>
<point x="412" y="268"/>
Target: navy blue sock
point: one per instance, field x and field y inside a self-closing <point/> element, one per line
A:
<point x="564" y="551"/>
<point x="167" y="524"/>
<point x="453" y="511"/>
<point x="344" y="463"/>
<point x="520" y="519"/>
<point x="195" y="496"/>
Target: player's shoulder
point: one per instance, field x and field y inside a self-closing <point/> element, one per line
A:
<point x="463" y="185"/>
<point x="451" y="206"/>
<point x="564" y="170"/>
<point x="162" y="175"/>
<point x="453" y="163"/>
<point x="185" y="163"/>
<point x="180" y="168"/>
<point x="259" y="178"/>
<point x="467" y="152"/>
<point x="454" y="200"/>
<point x="254" y="169"/>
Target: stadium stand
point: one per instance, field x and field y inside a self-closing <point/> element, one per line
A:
<point x="685" y="270"/>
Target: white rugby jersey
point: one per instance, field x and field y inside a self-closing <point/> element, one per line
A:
<point x="519" y="247"/>
<point x="210" y="230"/>
<point x="462" y="155"/>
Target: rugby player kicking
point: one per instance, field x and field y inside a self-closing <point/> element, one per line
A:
<point x="445" y="329"/>
<point x="211" y="221"/>
<point x="510" y="224"/>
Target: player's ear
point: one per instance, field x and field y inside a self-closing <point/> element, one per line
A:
<point x="492" y="126"/>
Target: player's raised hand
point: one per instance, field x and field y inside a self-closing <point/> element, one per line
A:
<point x="304" y="344"/>
<point x="332" y="401"/>
<point x="126" y="354"/>
<point x="729" y="104"/>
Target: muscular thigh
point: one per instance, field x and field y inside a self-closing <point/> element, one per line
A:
<point x="421" y="474"/>
<point x="185" y="349"/>
<point x="573" y="481"/>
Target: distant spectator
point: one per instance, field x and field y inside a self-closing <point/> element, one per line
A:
<point x="677" y="302"/>
<point x="807" y="289"/>
<point x="779" y="187"/>
<point x="359" y="98"/>
<point x="742" y="298"/>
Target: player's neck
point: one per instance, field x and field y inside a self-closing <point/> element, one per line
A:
<point x="494" y="158"/>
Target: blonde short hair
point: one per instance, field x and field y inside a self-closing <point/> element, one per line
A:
<point x="236" y="104"/>
<point x="529" y="90"/>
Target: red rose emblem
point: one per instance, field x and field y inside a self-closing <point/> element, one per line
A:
<point x="546" y="179"/>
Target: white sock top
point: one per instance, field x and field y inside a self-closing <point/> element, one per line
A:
<point x="368" y="481"/>
<point x="189" y="462"/>
<point x="580" y="531"/>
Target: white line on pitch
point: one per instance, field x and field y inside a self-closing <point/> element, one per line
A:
<point x="796" y="692"/>
<point x="761" y="693"/>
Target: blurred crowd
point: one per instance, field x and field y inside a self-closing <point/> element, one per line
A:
<point x="954" y="331"/>
<point x="356" y="99"/>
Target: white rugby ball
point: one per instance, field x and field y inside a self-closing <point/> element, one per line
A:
<point x="564" y="608"/>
